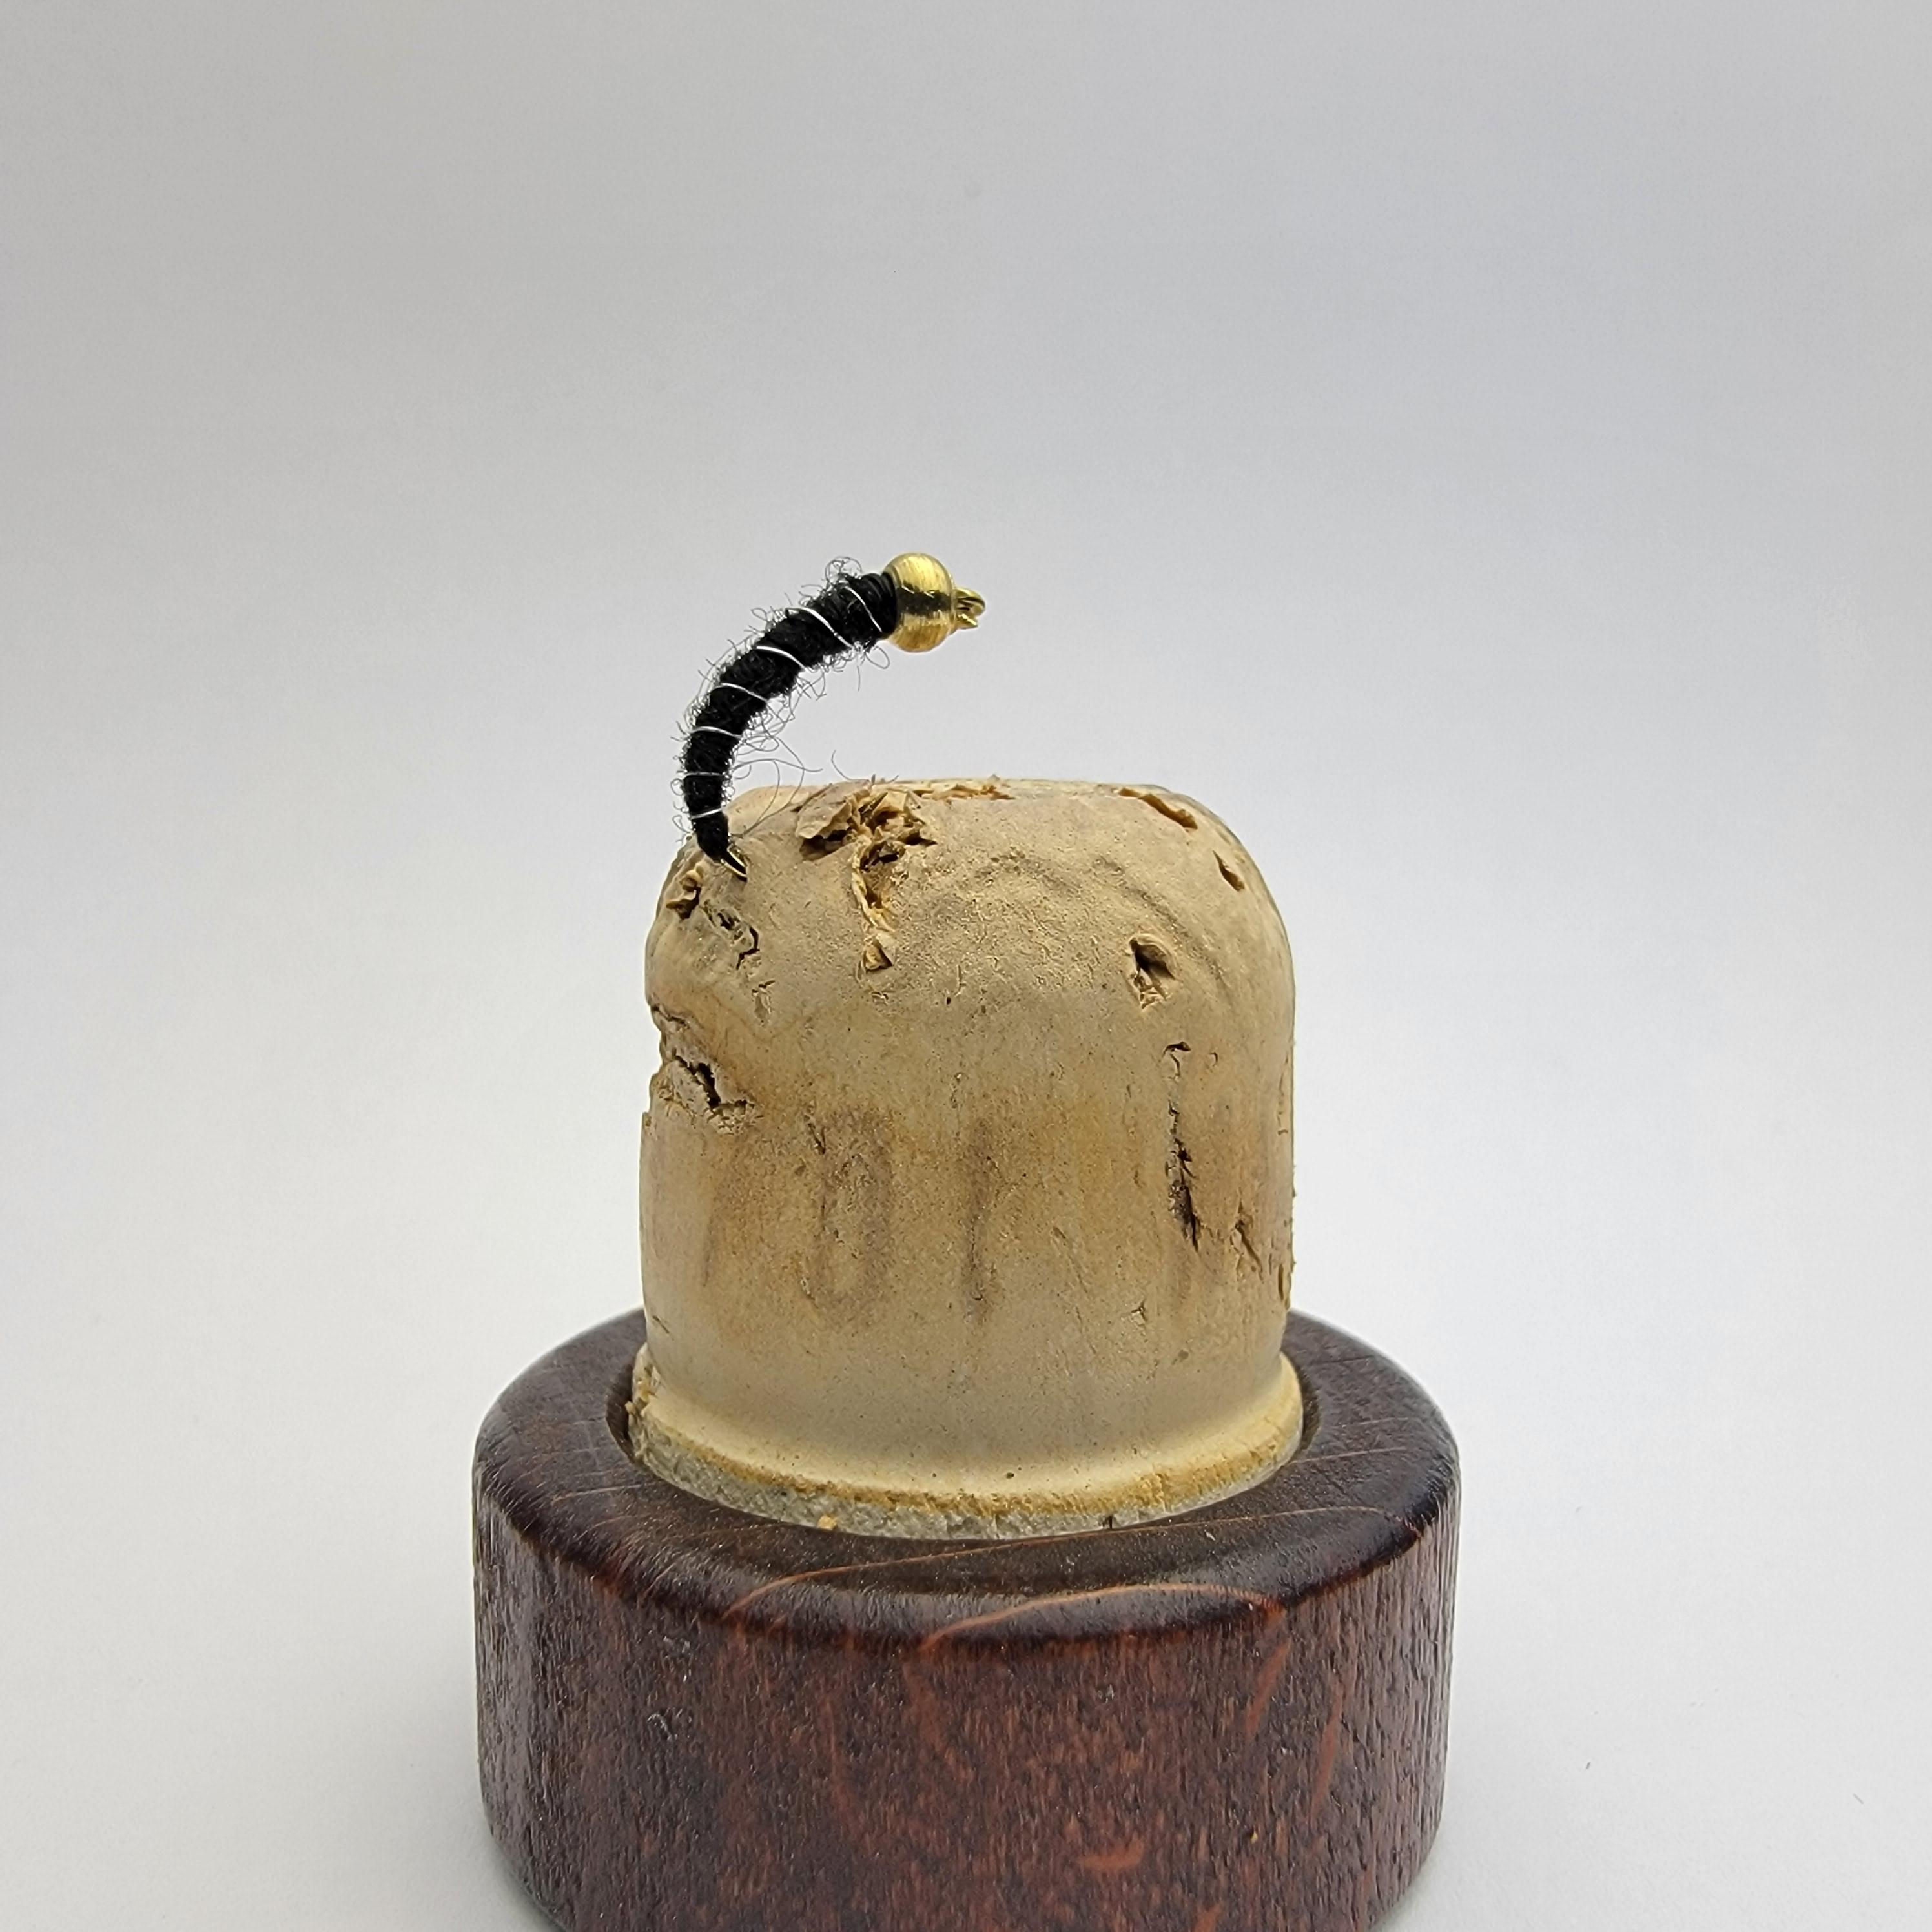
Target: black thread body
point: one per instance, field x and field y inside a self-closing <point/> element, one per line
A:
<point x="850" y="614"/>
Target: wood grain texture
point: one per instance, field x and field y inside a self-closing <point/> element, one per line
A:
<point x="1232" y="1721"/>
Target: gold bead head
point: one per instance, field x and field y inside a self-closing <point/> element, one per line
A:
<point x="931" y="606"/>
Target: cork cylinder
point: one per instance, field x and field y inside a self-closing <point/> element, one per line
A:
<point x="966" y="1181"/>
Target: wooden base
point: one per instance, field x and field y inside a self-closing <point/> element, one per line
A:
<point x="696" y="1720"/>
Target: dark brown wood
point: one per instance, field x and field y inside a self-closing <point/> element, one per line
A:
<point x="695" y="1720"/>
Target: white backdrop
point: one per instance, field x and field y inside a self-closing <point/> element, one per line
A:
<point x="1482" y="449"/>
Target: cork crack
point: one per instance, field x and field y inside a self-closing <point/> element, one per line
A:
<point x="875" y="826"/>
<point x="1181" y="1177"/>
<point x="1153" y="970"/>
<point x="1167" y="807"/>
<point x="1246" y="1240"/>
<point x="740" y="934"/>
<point x="1180" y="1162"/>
<point x="693" y="1084"/>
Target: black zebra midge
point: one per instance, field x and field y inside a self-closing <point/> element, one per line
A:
<point x="912" y="603"/>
